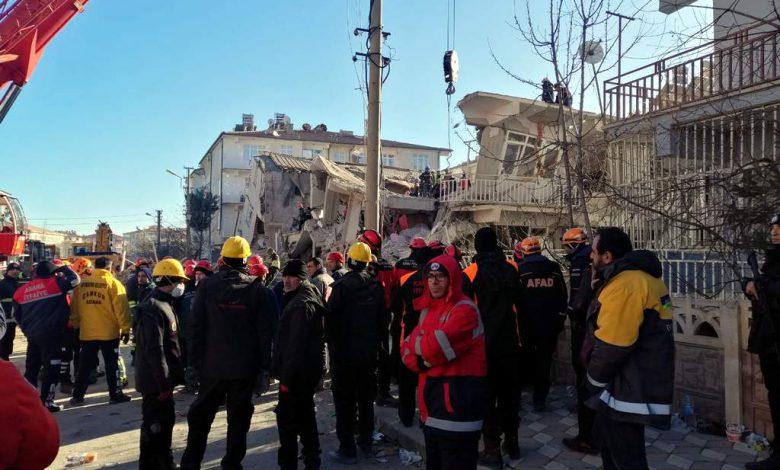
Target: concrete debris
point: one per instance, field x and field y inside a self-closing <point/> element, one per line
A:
<point x="396" y="246"/>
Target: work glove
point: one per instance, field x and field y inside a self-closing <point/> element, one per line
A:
<point x="124" y="337"/>
<point x="261" y="383"/>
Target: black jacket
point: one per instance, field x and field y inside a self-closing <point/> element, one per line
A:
<point x="762" y="336"/>
<point x="158" y="366"/>
<point x="299" y="351"/>
<point x="233" y="321"/>
<point x="494" y="287"/>
<point x="8" y="286"/>
<point x="354" y="320"/>
<point x="630" y="363"/>
<point x="579" y="266"/>
<point x="542" y="299"/>
<point x="41" y="306"/>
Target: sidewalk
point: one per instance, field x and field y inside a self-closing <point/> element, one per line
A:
<point x="541" y="448"/>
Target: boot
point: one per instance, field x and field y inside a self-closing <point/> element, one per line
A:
<point x="386" y="400"/>
<point x="491" y="456"/>
<point x="770" y="463"/>
<point x="119" y="398"/>
<point x="578" y="444"/>
<point x="511" y="448"/>
<point x="344" y="457"/>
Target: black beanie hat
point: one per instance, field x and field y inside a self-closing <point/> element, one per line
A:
<point x="485" y="240"/>
<point x="294" y="267"/>
<point x="45" y="269"/>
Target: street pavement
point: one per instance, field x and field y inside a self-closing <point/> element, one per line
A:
<point x="112" y="432"/>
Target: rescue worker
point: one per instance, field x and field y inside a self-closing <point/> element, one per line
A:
<point x="131" y="286"/>
<point x="629" y="349"/>
<point x="71" y="345"/>
<point x="383" y="271"/>
<point x="42" y="311"/>
<point x="232" y="328"/>
<point x="409" y="264"/>
<point x="145" y="287"/>
<point x="8" y="286"/>
<point x="494" y="288"/>
<point x="447" y="349"/>
<point x="406" y="305"/>
<point x="335" y="263"/>
<point x="101" y="313"/>
<point x="158" y="367"/>
<point x="298" y="363"/>
<point x="257" y="268"/>
<point x="541" y="313"/>
<point x="575" y="242"/>
<point x="353" y="328"/>
<point x="319" y="277"/>
<point x="763" y="337"/>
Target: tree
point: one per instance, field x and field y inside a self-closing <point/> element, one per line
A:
<point x="202" y="207"/>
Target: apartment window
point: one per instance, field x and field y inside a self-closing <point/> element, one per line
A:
<point x="311" y="153"/>
<point x="521" y="154"/>
<point x="250" y="151"/>
<point x="388" y="159"/>
<point x="361" y="158"/>
<point x="340" y="157"/>
<point x="286" y="149"/>
<point x="419" y="161"/>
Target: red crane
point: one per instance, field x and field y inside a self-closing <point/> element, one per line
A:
<point x="26" y="27"/>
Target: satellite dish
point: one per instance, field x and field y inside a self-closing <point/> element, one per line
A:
<point x="591" y="52"/>
<point x="306" y="126"/>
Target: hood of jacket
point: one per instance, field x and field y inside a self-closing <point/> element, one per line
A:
<point x="455" y="290"/>
<point x="637" y="260"/>
<point x="354" y="279"/>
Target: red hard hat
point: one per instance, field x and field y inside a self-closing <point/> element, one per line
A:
<point x="141" y="261"/>
<point x="372" y="239"/>
<point x="203" y="265"/>
<point x="417" y="243"/>
<point x="255" y="266"/>
<point x="453" y="251"/>
<point x="188" y="265"/>
<point x="436" y="245"/>
<point x="335" y="256"/>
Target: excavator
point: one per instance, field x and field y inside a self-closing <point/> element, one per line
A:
<point x="26" y="27"/>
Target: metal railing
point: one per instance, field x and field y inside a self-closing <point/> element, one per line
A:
<point x="740" y="60"/>
<point x="694" y="273"/>
<point x="544" y="194"/>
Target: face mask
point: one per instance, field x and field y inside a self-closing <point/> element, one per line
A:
<point x="178" y="291"/>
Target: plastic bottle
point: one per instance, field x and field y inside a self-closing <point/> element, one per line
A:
<point x="80" y="459"/>
<point x="687" y="406"/>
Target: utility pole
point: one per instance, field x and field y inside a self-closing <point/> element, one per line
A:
<point x="187" y="209"/>
<point x="159" y="224"/>
<point x="373" y="128"/>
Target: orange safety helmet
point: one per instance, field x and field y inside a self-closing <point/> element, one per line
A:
<point x="530" y="245"/>
<point x="81" y="266"/>
<point x="417" y="243"/>
<point x="189" y="266"/>
<point x="256" y="266"/>
<point x="372" y="239"/>
<point x="574" y="236"/>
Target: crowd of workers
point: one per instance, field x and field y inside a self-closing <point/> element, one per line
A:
<point x="461" y="339"/>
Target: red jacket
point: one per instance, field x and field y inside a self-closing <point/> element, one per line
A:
<point x="31" y="438"/>
<point x="447" y="349"/>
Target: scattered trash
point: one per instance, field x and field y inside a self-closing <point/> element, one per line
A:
<point x="385" y="451"/>
<point x="756" y="442"/>
<point x="80" y="459"/>
<point x="380" y="460"/>
<point x="378" y="436"/>
<point x="408" y="457"/>
<point x="734" y="432"/>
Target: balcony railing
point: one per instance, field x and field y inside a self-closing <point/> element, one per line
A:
<point x="744" y="59"/>
<point x="696" y="273"/>
<point x="490" y="191"/>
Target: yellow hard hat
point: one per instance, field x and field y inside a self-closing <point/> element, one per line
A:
<point x="360" y="252"/>
<point x="169" y="268"/>
<point x="236" y="247"/>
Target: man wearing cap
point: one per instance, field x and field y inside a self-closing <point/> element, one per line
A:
<point x="42" y="311"/>
<point x="447" y="350"/>
<point x="541" y="313"/>
<point x="233" y="322"/>
<point x="494" y="288"/>
<point x="298" y="361"/>
<point x="8" y="286"/>
<point x="353" y="326"/>
<point x="575" y="242"/>
<point x="763" y="337"/>
<point x="335" y="263"/>
<point x="158" y="365"/>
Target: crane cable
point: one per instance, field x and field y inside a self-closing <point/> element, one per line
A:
<point x="450" y="46"/>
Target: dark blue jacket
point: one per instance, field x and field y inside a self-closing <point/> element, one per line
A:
<point x="42" y="307"/>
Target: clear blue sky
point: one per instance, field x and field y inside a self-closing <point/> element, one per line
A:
<point x="129" y="89"/>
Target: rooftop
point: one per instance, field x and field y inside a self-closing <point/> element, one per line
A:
<point x="345" y="138"/>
